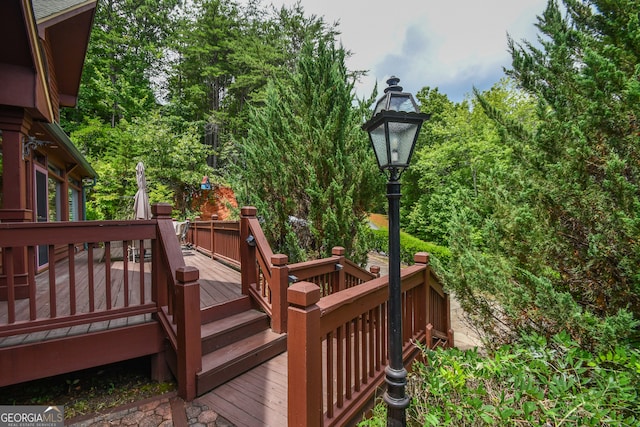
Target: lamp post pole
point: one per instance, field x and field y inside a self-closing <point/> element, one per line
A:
<point x="393" y="130"/>
<point x="395" y="373"/>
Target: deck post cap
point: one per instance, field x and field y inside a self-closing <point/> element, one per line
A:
<point x="303" y="294"/>
<point x="279" y="260"/>
<point x="187" y="274"/>
<point x="421" y="258"/>
<point x="161" y="210"/>
<point x="248" y="211"/>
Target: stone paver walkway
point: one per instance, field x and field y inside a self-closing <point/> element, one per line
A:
<point x="162" y="411"/>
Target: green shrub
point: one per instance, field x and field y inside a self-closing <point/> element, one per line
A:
<point x="534" y="382"/>
<point x="409" y="246"/>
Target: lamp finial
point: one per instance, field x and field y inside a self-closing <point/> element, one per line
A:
<point x="393" y="85"/>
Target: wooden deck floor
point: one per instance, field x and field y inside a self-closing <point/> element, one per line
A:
<point x="218" y="282"/>
<point x="256" y="398"/>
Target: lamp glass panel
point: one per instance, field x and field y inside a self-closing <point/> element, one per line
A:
<point x="379" y="145"/>
<point x="401" y="137"/>
<point x="401" y="102"/>
<point x="381" y="105"/>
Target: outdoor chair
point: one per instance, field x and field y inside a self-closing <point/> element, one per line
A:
<point x="182" y="228"/>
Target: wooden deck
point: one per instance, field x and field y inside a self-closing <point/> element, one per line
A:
<point x="218" y="283"/>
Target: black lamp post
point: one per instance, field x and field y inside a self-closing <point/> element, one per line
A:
<point x="393" y="130"/>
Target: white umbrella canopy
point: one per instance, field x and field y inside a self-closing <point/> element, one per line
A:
<point x="141" y="205"/>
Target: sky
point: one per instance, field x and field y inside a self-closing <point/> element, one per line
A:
<point x="453" y="45"/>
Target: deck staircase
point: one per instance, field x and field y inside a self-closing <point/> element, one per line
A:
<point x="235" y="338"/>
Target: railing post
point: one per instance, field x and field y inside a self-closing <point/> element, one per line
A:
<point x="279" y="285"/>
<point x="188" y="324"/>
<point x="340" y="274"/>
<point x="375" y="270"/>
<point x="248" y="269"/>
<point x="304" y="349"/>
<point x="23" y="286"/>
<point x="214" y="217"/>
<point x="161" y="212"/>
<point x="422" y="258"/>
<point x="195" y="231"/>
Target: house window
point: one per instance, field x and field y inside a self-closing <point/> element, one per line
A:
<point x="54" y="199"/>
<point x="74" y="204"/>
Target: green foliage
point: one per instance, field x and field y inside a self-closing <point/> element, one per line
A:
<point x="226" y="54"/>
<point x="305" y="163"/>
<point x="549" y="243"/>
<point x="457" y="153"/>
<point x="174" y="164"/>
<point x="123" y="61"/>
<point x="533" y="382"/>
<point x="409" y="246"/>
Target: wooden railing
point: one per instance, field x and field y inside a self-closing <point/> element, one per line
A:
<point x="263" y="274"/>
<point x="266" y="276"/>
<point x="337" y="344"/>
<point x="332" y="274"/>
<point x="84" y="285"/>
<point x="66" y="306"/>
<point x="178" y="299"/>
<point x="218" y="239"/>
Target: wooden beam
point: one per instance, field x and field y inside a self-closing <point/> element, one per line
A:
<point x="48" y="358"/>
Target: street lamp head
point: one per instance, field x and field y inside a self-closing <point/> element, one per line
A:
<point x="394" y="127"/>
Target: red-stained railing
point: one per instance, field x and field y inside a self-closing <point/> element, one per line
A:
<point x="337" y="344"/>
<point x="74" y="293"/>
<point x="332" y="274"/>
<point x="218" y="239"/>
<point x="100" y="272"/>
<point x="266" y="276"/>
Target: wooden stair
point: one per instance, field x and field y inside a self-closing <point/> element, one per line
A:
<point x="235" y="344"/>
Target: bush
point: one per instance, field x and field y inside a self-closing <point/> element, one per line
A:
<point x="534" y="382"/>
<point x="409" y="246"/>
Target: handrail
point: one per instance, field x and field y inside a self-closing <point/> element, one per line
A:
<point x="332" y="274"/>
<point x="61" y="242"/>
<point x="178" y="298"/>
<point x="266" y="276"/>
<point x="84" y="285"/>
<point x="263" y="273"/>
<point x="337" y="343"/>
<point x="218" y="239"/>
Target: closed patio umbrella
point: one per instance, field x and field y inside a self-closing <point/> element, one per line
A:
<point x="141" y="201"/>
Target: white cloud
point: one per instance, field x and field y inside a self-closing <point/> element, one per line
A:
<point x="452" y="44"/>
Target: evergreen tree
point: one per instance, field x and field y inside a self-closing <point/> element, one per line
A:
<point x="305" y="162"/>
<point x="224" y="56"/>
<point x="561" y="250"/>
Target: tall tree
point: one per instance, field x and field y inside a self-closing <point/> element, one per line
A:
<point x="305" y="162"/>
<point x="458" y="148"/>
<point x="561" y="250"/>
<point x="123" y="60"/>
<point x="175" y="163"/>
<point x="224" y="55"/>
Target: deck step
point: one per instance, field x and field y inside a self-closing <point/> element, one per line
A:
<point x="234" y="359"/>
<point x="228" y="330"/>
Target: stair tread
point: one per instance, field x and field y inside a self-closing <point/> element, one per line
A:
<point x="232" y="322"/>
<point x="238" y="350"/>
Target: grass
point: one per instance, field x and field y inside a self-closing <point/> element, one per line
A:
<point x="91" y="390"/>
